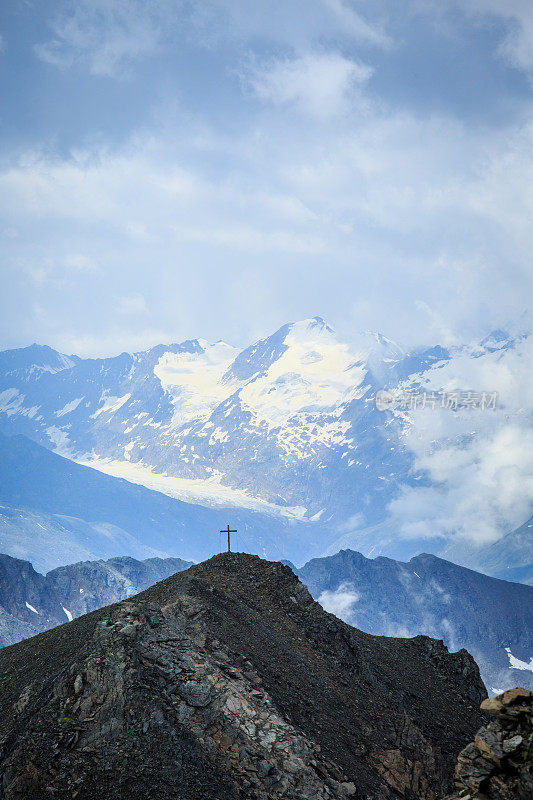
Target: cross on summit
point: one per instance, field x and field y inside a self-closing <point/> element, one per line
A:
<point x="228" y="531"/>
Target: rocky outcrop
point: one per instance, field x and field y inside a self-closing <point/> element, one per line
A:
<point x="498" y="764"/>
<point x="225" y="682"/>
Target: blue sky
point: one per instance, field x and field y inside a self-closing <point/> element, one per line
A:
<point x="175" y="169"/>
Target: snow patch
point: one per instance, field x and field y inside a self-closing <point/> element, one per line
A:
<point x="516" y="663"/>
<point x="31" y="608"/>
<point x="69" y="407"/>
<point x="68" y="613"/>
<point x="203" y="491"/>
<point x="11" y="401"/>
<point x="127" y="450"/>
<point x="111" y="404"/>
<point x="60" y="440"/>
<point x="315" y="372"/>
<point x="195" y="382"/>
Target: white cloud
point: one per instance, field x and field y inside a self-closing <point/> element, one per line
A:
<point x="353" y="23"/>
<point x="516" y="45"/>
<point x="58" y="270"/>
<point x="107" y="35"/>
<point x="118" y="339"/>
<point x="298" y="24"/>
<point x="480" y="462"/>
<point x="340" y="601"/>
<point x="321" y="84"/>
<point x="133" y="304"/>
<point x="385" y="205"/>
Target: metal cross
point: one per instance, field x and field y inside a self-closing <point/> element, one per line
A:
<point x="228" y="531"/>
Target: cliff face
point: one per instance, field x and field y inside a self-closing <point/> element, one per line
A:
<point x="498" y="764"/>
<point x="229" y="681"/>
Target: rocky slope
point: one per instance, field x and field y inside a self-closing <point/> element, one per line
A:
<point x="229" y="681"/>
<point x="492" y="619"/>
<point x="31" y="603"/>
<point x="498" y="764"/>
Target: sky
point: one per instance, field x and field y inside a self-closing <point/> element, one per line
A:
<point x="172" y="170"/>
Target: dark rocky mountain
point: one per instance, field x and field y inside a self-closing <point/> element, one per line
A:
<point x="26" y="596"/>
<point x="31" y="603"/>
<point x="498" y="764"/>
<point x="491" y="618"/>
<point x="14" y="630"/>
<point x="228" y="681"/>
<point x="92" y="584"/>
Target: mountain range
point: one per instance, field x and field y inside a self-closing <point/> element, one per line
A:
<point x="54" y="511"/>
<point x="491" y="619"/>
<point x="31" y="603"/>
<point x="285" y="432"/>
<point x="228" y="682"/>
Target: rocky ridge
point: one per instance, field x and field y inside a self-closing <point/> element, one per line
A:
<point x="229" y="681"/>
<point x="498" y="764"/>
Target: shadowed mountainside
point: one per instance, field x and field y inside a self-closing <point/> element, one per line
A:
<point x="31" y="603"/>
<point x="491" y="618"/>
<point x="228" y="681"/>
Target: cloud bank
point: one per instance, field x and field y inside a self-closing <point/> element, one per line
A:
<point x="480" y="462"/>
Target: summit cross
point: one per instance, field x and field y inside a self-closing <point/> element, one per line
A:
<point x="228" y="531"/>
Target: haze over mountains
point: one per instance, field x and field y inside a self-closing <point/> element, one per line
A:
<point x="287" y="427"/>
<point x="54" y="511"/>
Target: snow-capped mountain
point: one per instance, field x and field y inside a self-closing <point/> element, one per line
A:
<point x="54" y="511"/>
<point x="288" y="426"/>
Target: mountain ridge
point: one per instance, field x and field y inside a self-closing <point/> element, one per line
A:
<point x="287" y="426"/>
<point x="490" y="617"/>
<point x="228" y="681"/>
<point x="31" y="603"/>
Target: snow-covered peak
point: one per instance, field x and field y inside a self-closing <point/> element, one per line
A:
<point x="313" y="371"/>
<point x="195" y="380"/>
<point x="374" y="343"/>
<point x="220" y="345"/>
<point x="314" y="326"/>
